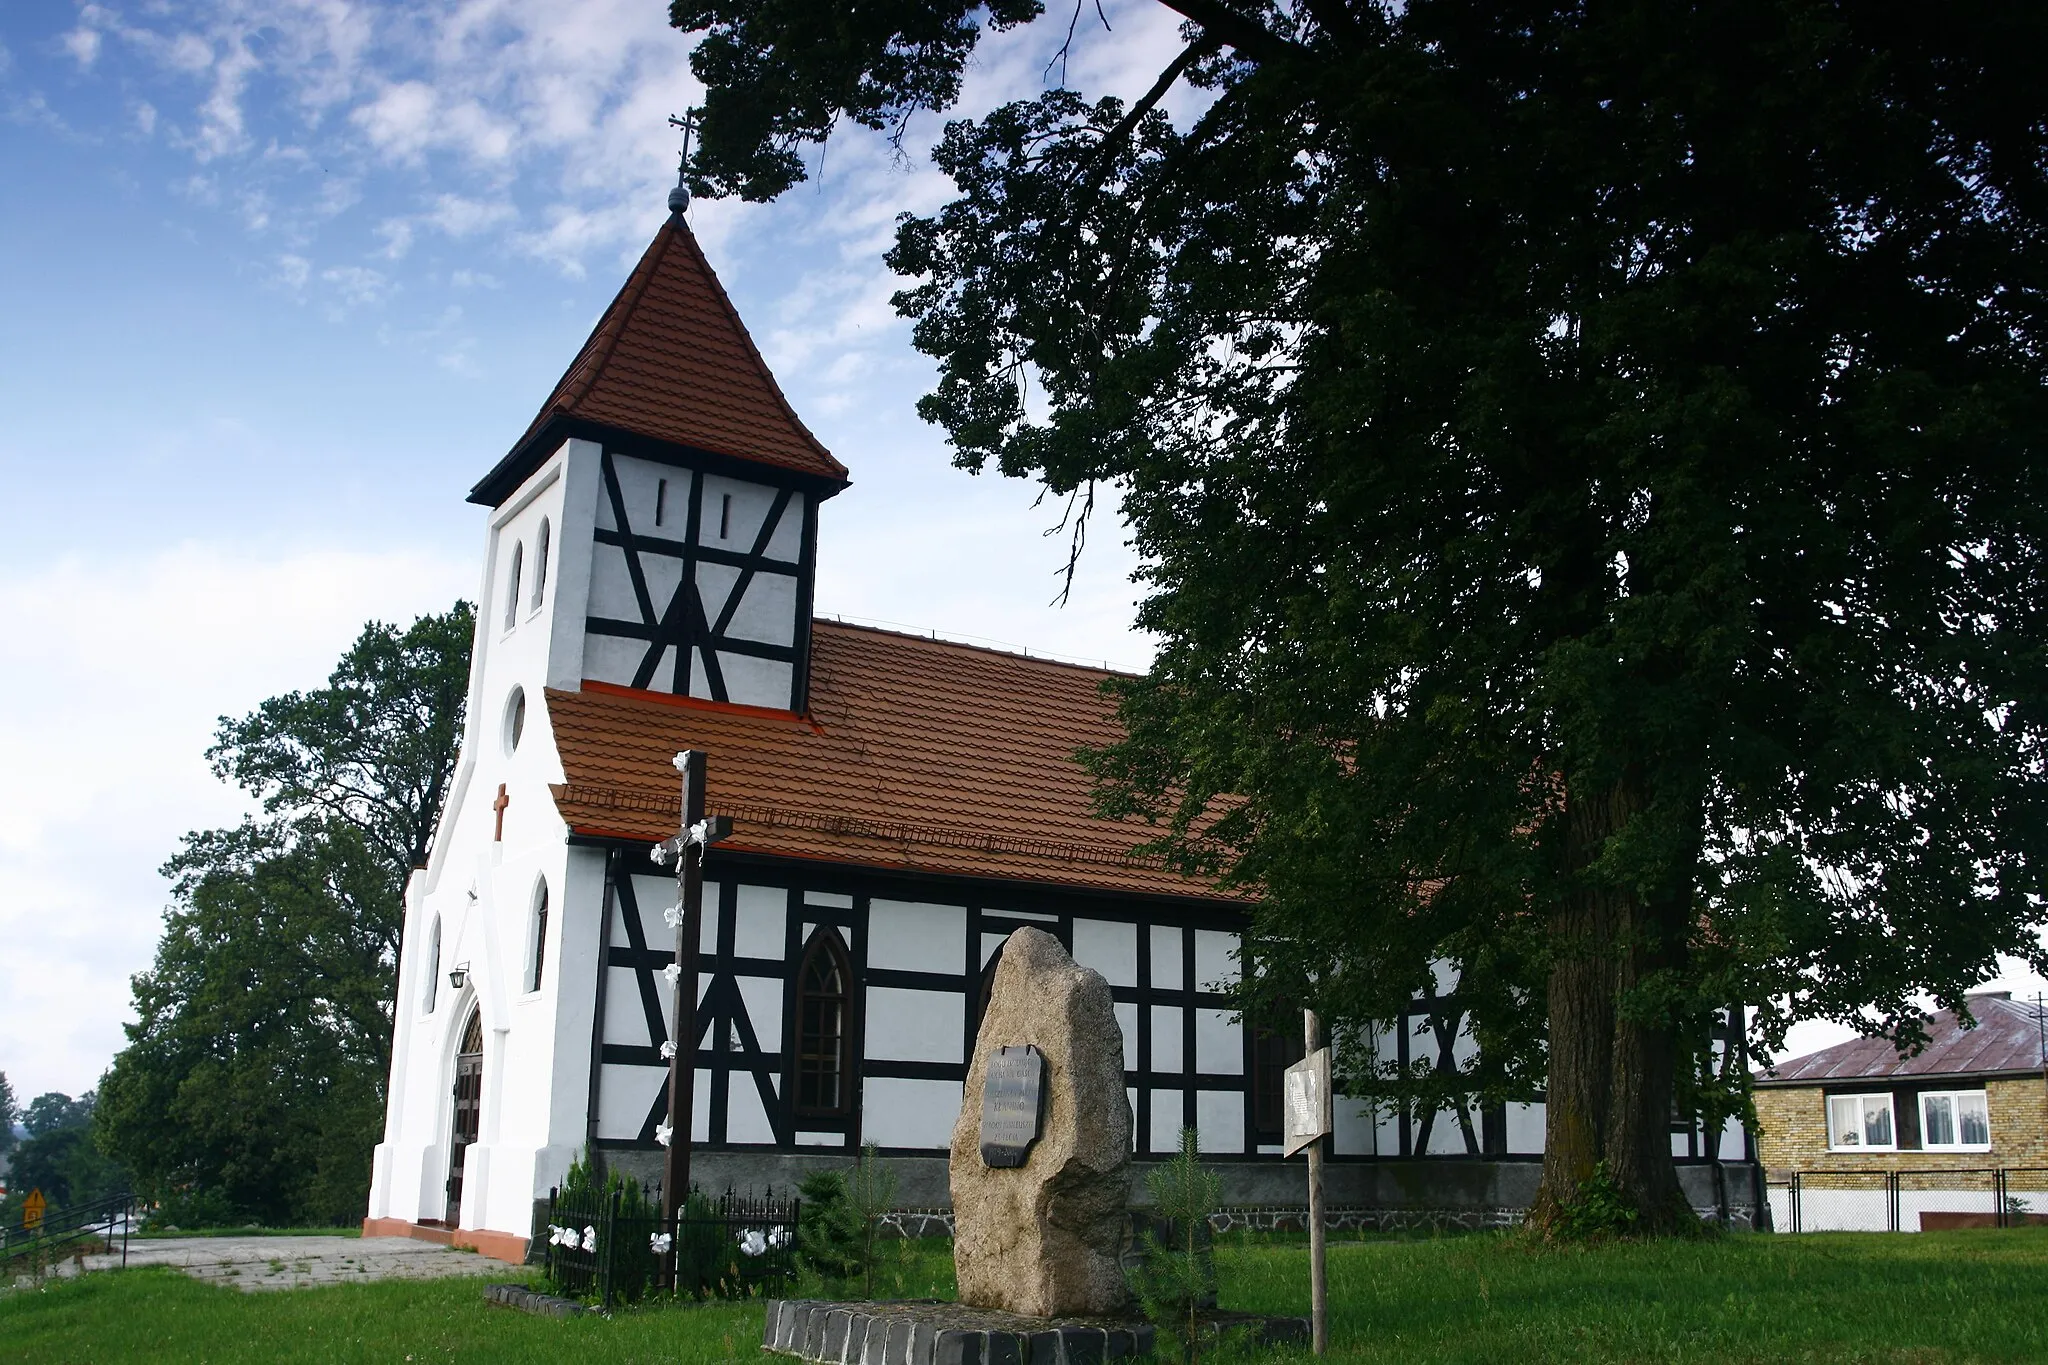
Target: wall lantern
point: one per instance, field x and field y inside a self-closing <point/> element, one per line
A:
<point x="459" y="976"/>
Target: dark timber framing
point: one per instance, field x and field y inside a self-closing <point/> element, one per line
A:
<point x="729" y="1051"/>
<point x="680" y="622"/>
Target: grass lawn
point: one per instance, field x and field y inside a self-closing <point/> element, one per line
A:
<point x="1962" y="1296"/>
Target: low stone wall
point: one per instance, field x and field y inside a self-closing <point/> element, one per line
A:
<point x="1376" y="1196"/>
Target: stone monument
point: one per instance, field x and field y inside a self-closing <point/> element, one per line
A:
<point x="1042" y="1150"/>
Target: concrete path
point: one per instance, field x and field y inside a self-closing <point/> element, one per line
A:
<point x="252" y="1263"/>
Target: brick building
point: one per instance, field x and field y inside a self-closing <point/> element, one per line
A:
<point x="1972" y="1097"/>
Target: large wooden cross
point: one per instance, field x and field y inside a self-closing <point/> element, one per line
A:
<point x="687" y="848"/>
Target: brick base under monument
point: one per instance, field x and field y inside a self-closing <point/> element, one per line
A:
<point x="509" y="1247"/>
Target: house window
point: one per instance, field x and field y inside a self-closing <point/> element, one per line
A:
<point x="1955" y="1121"/>
<point x="660" y="500"/>
<point x="540" y="563"/>
<point x="512" y="588"/>
<point x="824" y="984"/>
<point x="725" y="518"/>
<point x="1861" y="1123"/>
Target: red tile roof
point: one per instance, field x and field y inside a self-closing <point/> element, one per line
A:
<point x="2007" y="1038"/>
<point x="671" y="361"/>
<point x="919" y="755"/>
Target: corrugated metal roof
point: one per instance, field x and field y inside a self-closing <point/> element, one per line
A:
<point x="2007" y="1038"/>
<point x="919" y="754"/>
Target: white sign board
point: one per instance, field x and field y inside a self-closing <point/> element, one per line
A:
<point x="1306" y="1096"/>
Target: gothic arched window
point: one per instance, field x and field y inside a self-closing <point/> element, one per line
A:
<point x="433" y="981"/>
<point x="540" y="564"/>
<point x="540" y="935"/>
<point x="824" y="1015"/>
<point x="512" y="587"/>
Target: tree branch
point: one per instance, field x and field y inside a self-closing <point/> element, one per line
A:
<point x="1251" y="38"/>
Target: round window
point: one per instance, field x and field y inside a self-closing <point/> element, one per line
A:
<point x="515" y="719"/>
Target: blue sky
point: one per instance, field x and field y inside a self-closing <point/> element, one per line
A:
<point x="278" y="282"/>
<point x="279" y="279"/>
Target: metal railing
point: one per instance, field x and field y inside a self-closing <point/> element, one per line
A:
<point x="1908" y="1200"/>
<point x="617" y="1248"/>
<point x="102" y="1222"/>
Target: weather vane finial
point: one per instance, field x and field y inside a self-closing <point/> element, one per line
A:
<point x="679" y="197"/>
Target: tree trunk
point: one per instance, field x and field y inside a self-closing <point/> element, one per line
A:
<point x="1611" y="1068"/>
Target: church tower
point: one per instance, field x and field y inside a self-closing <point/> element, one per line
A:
<point x="689" y="500"/>
<point x="653" y="534"/>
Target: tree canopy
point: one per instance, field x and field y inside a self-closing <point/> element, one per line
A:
<point x="253" y="1082"/>
<point x="1587" y="464"/>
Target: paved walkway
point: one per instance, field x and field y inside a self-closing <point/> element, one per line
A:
<point x="253" y="1263"/>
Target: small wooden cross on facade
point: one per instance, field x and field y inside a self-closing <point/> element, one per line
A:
<point x="498" y="833"/>
<point x="687" y="848"/>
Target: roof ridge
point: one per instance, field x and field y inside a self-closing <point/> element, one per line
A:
<point x="590" y="361"/>
<point x="1021" y="653"/>
<point x="747" y="337"/>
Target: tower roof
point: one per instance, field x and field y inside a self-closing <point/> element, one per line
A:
<point x="670" y="362"/>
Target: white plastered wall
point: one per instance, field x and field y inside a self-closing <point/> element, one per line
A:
<point x="482" y="890"/>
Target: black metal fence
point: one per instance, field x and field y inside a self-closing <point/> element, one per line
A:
<point x="66" y="1231"/>
<point x="1908" y="1200"/>
<point x="615" y="1246"/>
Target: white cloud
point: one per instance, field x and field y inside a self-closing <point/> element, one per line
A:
<point x="83" y="44"/>
<point x="105" y="728"/>
<point x="460" y="217"/>
<point x="145" y="118"/>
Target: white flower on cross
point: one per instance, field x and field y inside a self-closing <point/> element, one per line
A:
<point x="668" y="1051"/>
<point x="659" y="1243"/>
<point x="778" y="1238"/>
<point x="590" y="1239"/>
<point x="680" y="761"/>
<point x="673" y="973"/>
<point x="662" y="1132"/>
<point x="673" y="916"/>
<point x="659" y="854"/>
<point x="752" y="1242"/>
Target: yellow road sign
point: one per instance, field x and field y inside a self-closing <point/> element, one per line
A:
<point x="32" y="1211"/>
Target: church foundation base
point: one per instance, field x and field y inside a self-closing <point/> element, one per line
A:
<point x="509" y="1247"/>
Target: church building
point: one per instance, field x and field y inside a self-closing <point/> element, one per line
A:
<point x="899" y="805"/>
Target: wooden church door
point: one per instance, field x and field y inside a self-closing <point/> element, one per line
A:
<point x="469" y="1087"/>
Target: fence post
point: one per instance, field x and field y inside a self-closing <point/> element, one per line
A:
<point x="2003" y="1219"/>
<point x="1798" y="1200"/>
<point x="607" y="1250"/>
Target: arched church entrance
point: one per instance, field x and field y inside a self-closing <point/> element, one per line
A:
<point x="469" y="1089"/>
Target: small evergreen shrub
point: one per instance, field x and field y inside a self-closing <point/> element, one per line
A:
<point x="1175" y="1273"/>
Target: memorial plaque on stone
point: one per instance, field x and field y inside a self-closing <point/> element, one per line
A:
<point x="1012" y="1105"/>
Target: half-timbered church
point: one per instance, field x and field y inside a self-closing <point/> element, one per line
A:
<point x="899" y="805"/>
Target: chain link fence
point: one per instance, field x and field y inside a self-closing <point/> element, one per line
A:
<point x="1908" y="1201"/>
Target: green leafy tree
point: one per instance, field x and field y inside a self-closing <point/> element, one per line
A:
<point x="1587" y="464"/>
<point x="253" y="1082"/>
<point x="7" y="1115"/>
<point x="58" y="1156"/>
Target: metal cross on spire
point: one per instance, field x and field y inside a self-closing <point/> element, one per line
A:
<point x="679" y="197"/>
<point x="687" y="847"/>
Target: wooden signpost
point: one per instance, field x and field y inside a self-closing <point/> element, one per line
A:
<point x="1306" y="1091"/>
